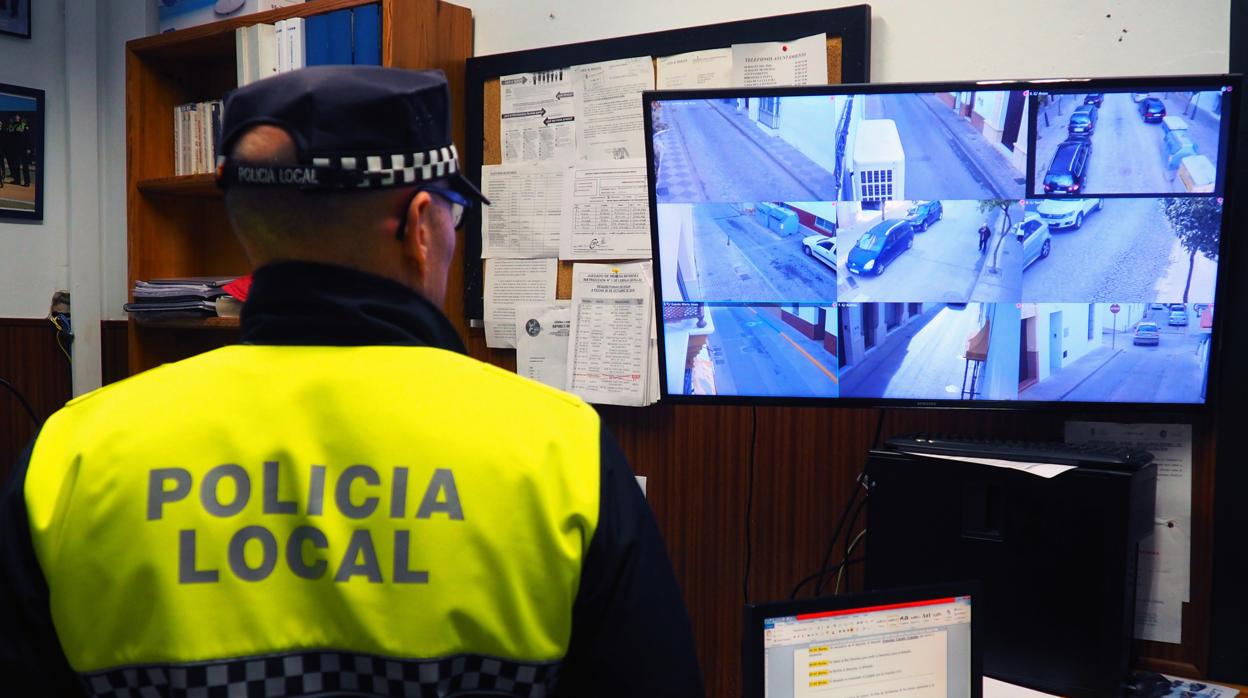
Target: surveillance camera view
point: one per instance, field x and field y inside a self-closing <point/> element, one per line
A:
<point x="929" y="351"/>
<point x="745" y="149"/>
<point x="1102" y="250"/>
<point x="751" y="350"/>
<point x="931" y="249"/>
<point x="1126" y="142"/>
<point x="763" y="251"/>
<point x="1114" y="352"/>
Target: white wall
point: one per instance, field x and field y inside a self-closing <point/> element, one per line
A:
<point x="918" y="39"/>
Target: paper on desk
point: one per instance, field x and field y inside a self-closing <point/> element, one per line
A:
<point x="781" y="63"/>
<point x="994" y="688"/>
<point x="609" y="117"/>
<point x="1171" y="446"/>
<point x="1191" y="688"/>
<point x="525" y="218"/>
<point x="542" y="341"/>
<point x="1044" y="470"/>
<point x="1166" y="556"/>
<point x="653" y="389"/>
<point x="538" y="116"/>
<point x="694" y="70"/>
<point x="509" y="282"/>
<point x="609" y="214"/>
<point x="609" y="348"/>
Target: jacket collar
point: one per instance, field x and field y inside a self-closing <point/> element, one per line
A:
<point x="304" y="303"/>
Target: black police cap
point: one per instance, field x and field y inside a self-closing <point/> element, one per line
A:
<point x="353" y="126"/>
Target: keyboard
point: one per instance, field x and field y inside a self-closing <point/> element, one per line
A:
<point x="1087" y="455"/>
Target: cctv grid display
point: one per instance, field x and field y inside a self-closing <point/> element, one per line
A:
<point x="1050" y="242"/>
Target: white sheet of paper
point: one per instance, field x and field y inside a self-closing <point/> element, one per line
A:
<point x="610" y="212"/>
<point x="542" y="341"/>
<point x="641" y="482"/>
<point x="1171" y="446"/>
<point x="694" y="70"/>
<point x="538" y="116"/>
<point x="525" y="218"/>
<point x="609" y="119"/>
<point x="609" y="349"/>
<point x="781" y="63"/>
<point x="1180" y="686"/>
<point x="1158" y="604"/>
<point x="994" y="688"/>
<point x="653" y="391"/>
<point x="508" y="283"/>
<point x="1044" y="470"/>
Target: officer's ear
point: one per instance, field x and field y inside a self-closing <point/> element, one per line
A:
<point x="413" y="232"/>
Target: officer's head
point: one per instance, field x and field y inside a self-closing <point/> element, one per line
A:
<point x="349" y="165"/>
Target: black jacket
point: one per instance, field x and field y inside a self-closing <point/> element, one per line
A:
<point x="630" y="631"/>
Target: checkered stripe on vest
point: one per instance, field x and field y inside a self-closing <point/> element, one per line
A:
<point x="323" y="673"/>
<point x="397" y="168"/>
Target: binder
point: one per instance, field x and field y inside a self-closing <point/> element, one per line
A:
<point x="316" y="40"/>
<point x="366" y="33"/>
<point x="339" y="37"/>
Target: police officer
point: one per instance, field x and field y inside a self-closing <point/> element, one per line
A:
<point x="344" y="503"/>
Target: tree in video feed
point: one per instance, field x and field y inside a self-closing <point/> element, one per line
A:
<point x="1197" y="222"/>
<point x="1003" y="205"/>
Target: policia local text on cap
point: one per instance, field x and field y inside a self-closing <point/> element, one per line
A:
<point x="343" y="504"/>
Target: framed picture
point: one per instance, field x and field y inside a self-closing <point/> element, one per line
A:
<point x="21" y="152"/>
<point x="15" y="17"/>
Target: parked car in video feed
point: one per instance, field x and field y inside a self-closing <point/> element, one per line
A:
<point x="1146" y="333"/>
<point x="1139" y="96"/>
<point x="1068" y="168"/>
<point x="1095" y="98"/>
<point x="1082" y="121"/>
<point x="924" y="213"/>
<point x="879" y="246"/>
<point x="1067" y="213"/>
<point x="822" y="248"/>
<point x="1034" y="234"/>
<point x="1177" y="317"/>
<point x="1152" y="110"/>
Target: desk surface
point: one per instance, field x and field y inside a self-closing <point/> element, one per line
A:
<point x="999" y="689"/>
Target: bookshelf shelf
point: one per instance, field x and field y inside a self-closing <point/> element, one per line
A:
<point x="198" y="185"/>
<point x="176" y="226"/>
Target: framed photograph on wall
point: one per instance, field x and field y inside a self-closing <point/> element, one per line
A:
<point x="21" y="152"/>
<point x="15" y="17"/>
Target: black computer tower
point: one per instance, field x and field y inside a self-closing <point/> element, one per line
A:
<point x="1056" y="557"/>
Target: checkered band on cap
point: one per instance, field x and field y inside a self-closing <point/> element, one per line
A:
<point x="321" y="673"/>
<point x="397" y="168"/>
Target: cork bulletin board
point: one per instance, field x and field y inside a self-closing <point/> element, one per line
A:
<point x="848" y="41"/>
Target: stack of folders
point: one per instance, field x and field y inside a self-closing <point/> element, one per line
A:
<point x="199" y="296"/>
<point x="196" y="130"/>
<point x="343" y="37"/>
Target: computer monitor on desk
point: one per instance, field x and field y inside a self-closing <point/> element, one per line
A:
<point x="908" y="643"/>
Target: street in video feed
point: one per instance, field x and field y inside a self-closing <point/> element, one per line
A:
<point x="1114" y="352"/>
<point x="751" y="350"/>
<point x="756" y="252"/>
<point x="1126" y="143"/>
<point x="929" y="351"/>
<point x="945" y="145"/>
<point x="1120" y="249"/>
<point x="756" y="149"/>
<point x="929" y="250"/>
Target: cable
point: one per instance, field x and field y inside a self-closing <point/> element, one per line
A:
<point x="61" y="331"/>
<point x="879" y="430"/>
<point x="20" y="398"/>
<point x="810" y="578"/>
<point x="849" y="549"/>
<point x="836" y="535"/>
<point x="853" y="521"/>
<point x="749" y="502"/>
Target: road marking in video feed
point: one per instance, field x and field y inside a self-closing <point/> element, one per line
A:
<point x="911" y="665"/>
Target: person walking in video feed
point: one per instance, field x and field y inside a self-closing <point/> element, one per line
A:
<point x="984" y="233"/>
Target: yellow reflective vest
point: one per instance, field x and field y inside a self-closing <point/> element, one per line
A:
<point x="261" y="499"/>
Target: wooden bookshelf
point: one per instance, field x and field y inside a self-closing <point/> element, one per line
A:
<point x="176" y="225"/>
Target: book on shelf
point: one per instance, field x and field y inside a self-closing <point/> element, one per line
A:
<point x="196" y="131"/>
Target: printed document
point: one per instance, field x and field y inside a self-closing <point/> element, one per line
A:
<point x="525" y="219"/>
<point x="694" y="70"/>
<point x="538" y="116"/>
<point x="609" y="108"/>
<point x="1165" y="557"/>
<point x="609" y="347"/>
<point x="609" y="215"/>
<point x="542" y="341"/>
<point x="509" y="282"/>
<point x="781" y="63"/>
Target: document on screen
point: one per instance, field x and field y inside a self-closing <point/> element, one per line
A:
<point x="912" y="665"/>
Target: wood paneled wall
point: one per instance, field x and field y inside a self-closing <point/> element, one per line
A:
<point x="698" y="464"/>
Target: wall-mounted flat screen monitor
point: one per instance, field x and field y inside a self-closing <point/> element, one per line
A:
<point x="983" y="244"/>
